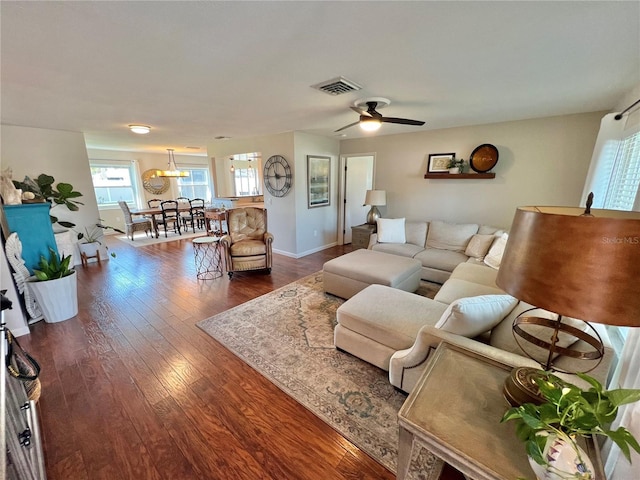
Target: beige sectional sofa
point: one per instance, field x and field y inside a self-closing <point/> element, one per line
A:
<point x="438" y="245"/>
<point x="397" y="331"/>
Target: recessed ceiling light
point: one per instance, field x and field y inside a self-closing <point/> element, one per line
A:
<point x="140" y="129"/>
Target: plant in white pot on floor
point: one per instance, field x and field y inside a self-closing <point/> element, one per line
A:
<point x="550" y="430"/>
<point x="90" y="241"/>
<point x="54" y="285"/>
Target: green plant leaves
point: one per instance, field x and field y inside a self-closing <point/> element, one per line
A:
<point x="52" y="268"/>
<point x="570" y="410"/>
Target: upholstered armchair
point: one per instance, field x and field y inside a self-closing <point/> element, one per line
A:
<point x="248" y="246"/>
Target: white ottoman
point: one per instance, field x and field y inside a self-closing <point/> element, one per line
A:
<point x="347" y="275"/>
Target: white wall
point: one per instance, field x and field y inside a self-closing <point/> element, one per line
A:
<point x="61" y="154"/>
<point x="542" y="161"/>
<point x="317" y="228"/>
<point x="281" y="210"/>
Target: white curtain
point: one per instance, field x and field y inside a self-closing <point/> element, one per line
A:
<point x="627" y="376"/>
<point x="603" y="158"/>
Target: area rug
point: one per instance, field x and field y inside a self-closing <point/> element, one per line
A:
<point x="144" y="241"/>
<point x="287" y="336"/>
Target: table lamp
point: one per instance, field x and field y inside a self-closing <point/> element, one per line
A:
<point x="375" y="198"/>
<point x="575" y="263"/>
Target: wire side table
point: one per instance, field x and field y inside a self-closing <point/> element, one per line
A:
<point x="207" y="257"/>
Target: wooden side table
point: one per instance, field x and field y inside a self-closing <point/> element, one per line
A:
<point x="360" y="235"/>
<point x="455" y="411"/>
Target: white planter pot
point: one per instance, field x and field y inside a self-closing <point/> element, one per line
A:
<point x="454" y="170"/>
<point x="89" y="249"/>
<point x="566" y="461"/>
<point x="57" y="299"/>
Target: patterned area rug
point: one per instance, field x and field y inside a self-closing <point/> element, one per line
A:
<point x="287" y="336"/>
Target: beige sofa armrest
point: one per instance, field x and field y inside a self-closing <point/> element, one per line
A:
<point x="373" y="239"/>
<point x="406" y="366"/>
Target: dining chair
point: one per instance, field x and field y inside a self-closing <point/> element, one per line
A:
<point x="196" y="214"/>
<point x="184" y="210"/>
<point x="134" y="224"/>
<point x="170" y="216"/>
<point x="157" y="217"/>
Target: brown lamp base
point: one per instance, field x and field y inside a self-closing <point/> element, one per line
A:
<point x="520" y="387"/>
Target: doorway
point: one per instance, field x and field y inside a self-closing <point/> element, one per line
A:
<point x="356" y="177"/>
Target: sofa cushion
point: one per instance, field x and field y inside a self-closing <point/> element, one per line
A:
<point x="489" y="230"/>
<point x="472" y="316"/>
<point x="396" y="327"/>
<point x="456" y="288"/>
<point x="476" y="273"/>
<point x="391" y="230"/>
<point x="445" y="260"/>
<point x="402" y="249"/>
<point x="450" y="236"/>
<point x="479" y="245"/>
<point x="494" y="256"/>
<point x="502" y="335"/>
<point x="416" y="233"/>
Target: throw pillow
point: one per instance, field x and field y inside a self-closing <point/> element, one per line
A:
<point x="450" y="236"/>
<point x="472" y="316"/>
<point x="479" y="246"/>
<point x="391" y="230"/>
<point x="494" y="256"/>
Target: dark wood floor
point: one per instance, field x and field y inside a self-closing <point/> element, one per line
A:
<point x="132" y="389"/>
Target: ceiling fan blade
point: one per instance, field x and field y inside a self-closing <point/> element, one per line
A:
<point x="347" y="126"/>
<point x="360" y="111"/>
<point x="403" y="121"/>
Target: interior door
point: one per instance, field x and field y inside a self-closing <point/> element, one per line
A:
<point x="358" y="178"/>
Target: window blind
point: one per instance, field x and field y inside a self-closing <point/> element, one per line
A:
<point x="624" y="178"/>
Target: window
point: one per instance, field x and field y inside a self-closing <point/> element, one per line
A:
<point x="622" y="190"/>
<point x="113" y="181"/>
<point x="196" y="185"/>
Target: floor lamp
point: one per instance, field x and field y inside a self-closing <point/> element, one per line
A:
<point x="575" y="263"/>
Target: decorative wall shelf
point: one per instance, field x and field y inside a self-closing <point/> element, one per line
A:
<point x="459" y="176"/>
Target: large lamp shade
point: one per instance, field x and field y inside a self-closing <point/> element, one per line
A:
<point x="578" y="265"/>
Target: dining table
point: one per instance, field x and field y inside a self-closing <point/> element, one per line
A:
<point x="153" y="211"/>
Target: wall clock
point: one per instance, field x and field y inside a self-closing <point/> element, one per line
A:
<point x="277" y="176"/>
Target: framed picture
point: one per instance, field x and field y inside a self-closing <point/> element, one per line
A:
<point x="318" y="181"/>
<point x="439" y="162"/>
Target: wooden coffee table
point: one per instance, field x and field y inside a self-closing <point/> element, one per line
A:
<point x="455" y="411"/>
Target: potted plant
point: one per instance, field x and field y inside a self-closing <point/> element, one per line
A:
<point x="43" y="189"/>
<point x="89" y="242"/>
<point x="55" y="288"/>
<point x="550" y="429"/>
<point x="456" y="166"/>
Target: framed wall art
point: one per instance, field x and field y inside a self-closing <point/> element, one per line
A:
<point x="318" y="181"/>
<point x="439" y="162"/>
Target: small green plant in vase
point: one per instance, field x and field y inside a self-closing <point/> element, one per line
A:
<point x="569" y="412"/>
<point x="456" y="166"/>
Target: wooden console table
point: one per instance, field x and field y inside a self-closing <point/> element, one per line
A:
<point x="455" y="411"/>
<point x="214" y="215"/>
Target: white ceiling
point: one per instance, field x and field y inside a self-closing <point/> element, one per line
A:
<point x="197" y="70"/>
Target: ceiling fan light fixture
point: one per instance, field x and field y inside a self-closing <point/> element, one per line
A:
<point x="140" y="129"/>
<point x="370" y="124"/>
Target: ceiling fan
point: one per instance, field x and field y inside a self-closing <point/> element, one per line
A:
<point x="371" y="120"/>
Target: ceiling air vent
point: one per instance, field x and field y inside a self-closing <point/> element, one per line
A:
<point x="337" y="86"/>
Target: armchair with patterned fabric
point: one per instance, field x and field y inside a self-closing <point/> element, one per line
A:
<point x="248" y="246"/>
